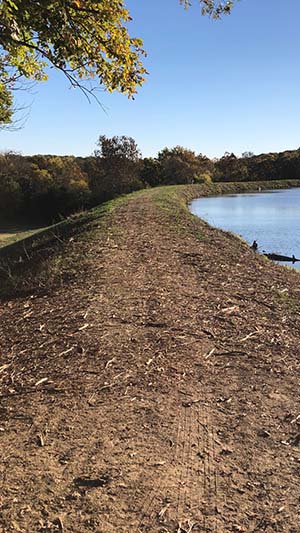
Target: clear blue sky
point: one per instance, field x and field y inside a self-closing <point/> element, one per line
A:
<point x="231" y="85"/>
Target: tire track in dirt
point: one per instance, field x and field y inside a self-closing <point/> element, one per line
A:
<point x="161" y="506"/>
<point x="151" y="509"/>
<point x="210" y="499"/>
<point x="186" y="496"/>
<point x="198" y="507"/>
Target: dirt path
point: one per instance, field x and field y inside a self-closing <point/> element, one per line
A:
<point x="156" y="393"/>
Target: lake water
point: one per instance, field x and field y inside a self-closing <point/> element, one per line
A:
<point x="272" y="218"/>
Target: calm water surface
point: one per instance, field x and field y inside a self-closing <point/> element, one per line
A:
<point x="271" y="217"/>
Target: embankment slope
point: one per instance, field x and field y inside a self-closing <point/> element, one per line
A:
<point x="157" y="389"/>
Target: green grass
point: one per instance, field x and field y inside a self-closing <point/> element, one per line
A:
<point x="171" y="199"/>
<point x="44" y="257"/>
<point x="49" y="257"/>
<point x="10" y="238"/>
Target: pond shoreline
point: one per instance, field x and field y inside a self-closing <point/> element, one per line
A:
<point x="269" y="217"/>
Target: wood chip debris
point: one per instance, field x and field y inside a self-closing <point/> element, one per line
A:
<point x="66" y="351"/>
<point x="189" y="403"/>
<point x="207" y="355"/>
<point x="163" y="511"/>
<point x="40" y="440"/>
<point x="159" y="463"/>
<point x="248" y="336"/>
<point x="43" y="380"/>
<point x="84" y="327"/>
<point x="109" y="362"/>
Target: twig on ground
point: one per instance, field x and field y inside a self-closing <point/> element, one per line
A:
<point x="43" y="380"/>
<point x="248" y="336"/>
<point x="163" y="511"/>
<point x="207" y="355"/>
<point x="108" y="363"/>
<point x="66" y="351"/>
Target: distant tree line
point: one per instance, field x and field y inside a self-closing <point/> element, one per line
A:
<point x="264" y="167"/>
<point x="44" y="188"/>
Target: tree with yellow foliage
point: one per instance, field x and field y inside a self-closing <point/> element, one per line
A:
<point x="85" y="39"/>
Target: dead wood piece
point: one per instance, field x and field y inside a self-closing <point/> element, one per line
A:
<point x="25" y="251"/>
<point x="110" y="362"/>
<point x="261" y="302"/>
<point x="40" y="440"/>
<point x="92" y="482"/>
<point x="233" y="352"/>
<point x="188" y="528"/>
<point x="295" y="441"/>
<point x="209" y="333"/>
<point x="263" y="433"/>
<point x="4" y="367"/>
<point x="43" y="380"/>
<point x="155" y="324"/>
<point x="229" y="309"/>
<point x="107" y="386"/>
<point x="248" y="336"/>
<point x="66" y="351"/>
<point x="84" y="327"/>
<point x="207" y="355"/>
<point x="59" y="523"/>
<point x="190" y="403"/>
<point x="159" y="463"/>
<point x="295" y="419"/>
<point x="163" y="511"/>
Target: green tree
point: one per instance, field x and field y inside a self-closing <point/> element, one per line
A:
<point x="85" y="39"/>
<point x="118" y="148"/>
<point x="231" y="168"/>
<point x="151" y="172"/>
<point x="10" y="191"/>
<point x="179" y="165"/>
<point x="119" y="162"/>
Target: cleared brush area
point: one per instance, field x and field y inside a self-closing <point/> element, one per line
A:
<point x="152" y="384"/>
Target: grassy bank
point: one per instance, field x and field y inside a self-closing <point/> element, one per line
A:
<point x="13" y="239"/>
<point x="11" y="235"/>
<point x="45" y="257"/>
<point x="174" y="200"/>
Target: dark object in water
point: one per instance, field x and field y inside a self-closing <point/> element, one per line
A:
<point x="278" y="257"/>
<point x="254" y="246"/>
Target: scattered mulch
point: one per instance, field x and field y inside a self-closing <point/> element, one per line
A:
<point x="157" y="391"/>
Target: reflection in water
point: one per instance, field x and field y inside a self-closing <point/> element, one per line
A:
<point x="271" y="218"/>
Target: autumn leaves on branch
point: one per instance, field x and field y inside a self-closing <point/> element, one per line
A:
<point x="87" y="40"/>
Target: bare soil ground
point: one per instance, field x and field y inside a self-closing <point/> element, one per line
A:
<point x="158" y="391"/>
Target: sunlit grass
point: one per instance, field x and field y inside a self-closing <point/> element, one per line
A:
<point x="9" y="238"/>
